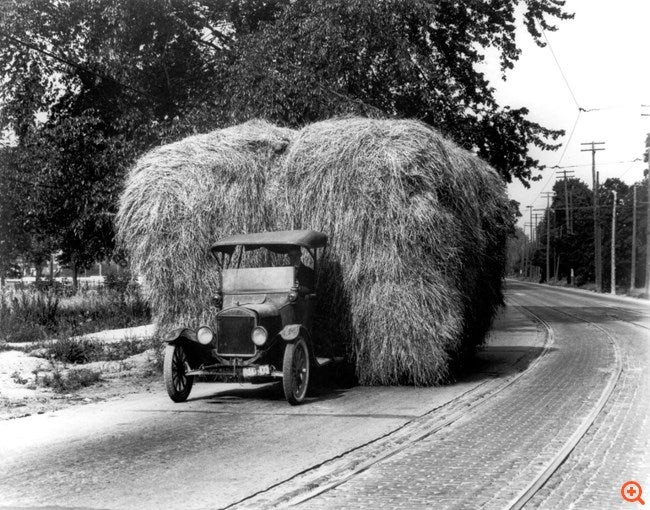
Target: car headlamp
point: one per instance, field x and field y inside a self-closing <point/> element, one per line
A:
<point x="204" y="335"/>
<point x="259" y="335"/>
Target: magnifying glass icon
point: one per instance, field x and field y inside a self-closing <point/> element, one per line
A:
<point x="631" y="492"/>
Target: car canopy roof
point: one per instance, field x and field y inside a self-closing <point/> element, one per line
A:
<point x="278" y="241"/>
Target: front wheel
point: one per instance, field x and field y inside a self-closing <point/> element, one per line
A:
<point x="295" y="371"/>
<point x="177" y="382"/>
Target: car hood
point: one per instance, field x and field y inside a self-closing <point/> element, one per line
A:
<point x="261" y="309"/>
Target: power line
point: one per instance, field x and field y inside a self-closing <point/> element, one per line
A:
<point x="562" y="72"/>
<point x="601" y="164"/>
<point x="566" y="145"/>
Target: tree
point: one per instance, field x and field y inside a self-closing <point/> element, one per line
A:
<point x="571" y="249"/>
<point x="392" y="58"/>
<point x="87" y="85"/>
<point x="21" y="216"/>
<point x="515" y="252"/>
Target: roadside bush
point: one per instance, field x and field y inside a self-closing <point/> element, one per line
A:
<point x="158" y="354"/>
<point x="14" y="327"/>
<point x="118" y="280"/>
<point x="83" y="350"/>
<point x="65" y="382"/>
<point x="74" y="350"/>
<point x="36" y="307"/>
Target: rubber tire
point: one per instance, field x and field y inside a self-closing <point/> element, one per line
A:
<point x="296" y="351"/>
<point x="175" y="358"/>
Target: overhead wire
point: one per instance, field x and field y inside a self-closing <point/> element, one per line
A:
<point x="600" y="164"/>
<point x="575" y="122"/>
<point x="557" y="63"/>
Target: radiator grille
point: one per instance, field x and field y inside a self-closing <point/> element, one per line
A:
<point x="234" y="336"/>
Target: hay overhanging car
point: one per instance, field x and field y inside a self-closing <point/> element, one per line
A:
<point x="262" y="330"/>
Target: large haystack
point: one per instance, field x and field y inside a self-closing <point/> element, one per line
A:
<point x="181" y="197"/>
<point x="417" y="228"/>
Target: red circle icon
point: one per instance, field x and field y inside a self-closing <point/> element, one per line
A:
<point x="631" y="492"/>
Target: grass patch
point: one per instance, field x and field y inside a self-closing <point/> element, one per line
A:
<point x="32" y="315"/>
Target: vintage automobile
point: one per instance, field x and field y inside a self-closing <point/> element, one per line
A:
<point x="262" y="330"/>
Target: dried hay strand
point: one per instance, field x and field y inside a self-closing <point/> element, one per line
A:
<point x="417" y="232"/>
<point x="179" y="198"/>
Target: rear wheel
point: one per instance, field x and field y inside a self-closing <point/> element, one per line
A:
<point x="295" y="371"/>
<point x="176" y="365"/>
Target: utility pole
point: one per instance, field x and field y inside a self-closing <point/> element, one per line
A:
<point x="612" y="290"/>
<point x="532" y="236"/>
<point x="647" y="223"/>
<point x="537" y="246"/>
<point x="529" y="258"/>
<point x="565" y="172"/>
<point x="633" y="268"/>
<point x="523" y="256"/>
<point x="548" y="196"/>
<point x="571" y="209"/>
<point x="598" y="263"/>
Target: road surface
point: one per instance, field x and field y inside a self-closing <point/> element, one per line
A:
<point x="555" y="413"/>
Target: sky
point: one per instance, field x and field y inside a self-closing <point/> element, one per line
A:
<point x="604" y="54"/>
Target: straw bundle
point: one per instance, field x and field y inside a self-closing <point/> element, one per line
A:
<point x="417" y="228"/>
<point x="417" y="232"/>
<point x="181" y="197"/>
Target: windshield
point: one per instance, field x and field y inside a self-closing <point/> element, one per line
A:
<point x="262" y="257"/>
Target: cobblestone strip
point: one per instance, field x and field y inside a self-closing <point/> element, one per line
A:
<point x="578" y="434"/>
<point x="616" y="448"/>
<point x="488" y="458"/>
<point x="337" y="471"/>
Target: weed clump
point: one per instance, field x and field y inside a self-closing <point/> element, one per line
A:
<point x="67" y="381"/>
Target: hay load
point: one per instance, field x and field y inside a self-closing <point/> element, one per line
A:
<point x="417" y="231"/>
<point x="180" y="197"/>
<point x="417" y="228"/>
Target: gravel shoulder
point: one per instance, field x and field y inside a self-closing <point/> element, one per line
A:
<point x="23" y="368"/>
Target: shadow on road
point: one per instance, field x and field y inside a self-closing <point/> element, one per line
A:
<point x="320" y="390"/>
<point x="500" y="361"/>
<point x="489" y="362"/>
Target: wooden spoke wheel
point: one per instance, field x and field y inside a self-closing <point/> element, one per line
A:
<point x="295" y="371"/>
<point x="176" y="365"/>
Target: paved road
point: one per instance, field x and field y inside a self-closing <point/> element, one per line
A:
<point x="496" y="454"/>
<point x="478" y="442"/>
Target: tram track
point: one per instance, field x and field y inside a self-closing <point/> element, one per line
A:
<point x="310" y="484"/>
<point x="334" y="472"/>
<point x="551" y="467"/>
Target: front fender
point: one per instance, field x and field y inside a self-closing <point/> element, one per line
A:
<point x="292" y="331"/>
<point x="176" y="335"/>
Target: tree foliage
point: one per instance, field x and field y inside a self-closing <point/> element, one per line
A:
<point x="415" y="59"/>
<point x="573" y="248"/>
<point x="87" y="85"/>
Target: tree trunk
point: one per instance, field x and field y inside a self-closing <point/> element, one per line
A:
<point x="75" y="277"/>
